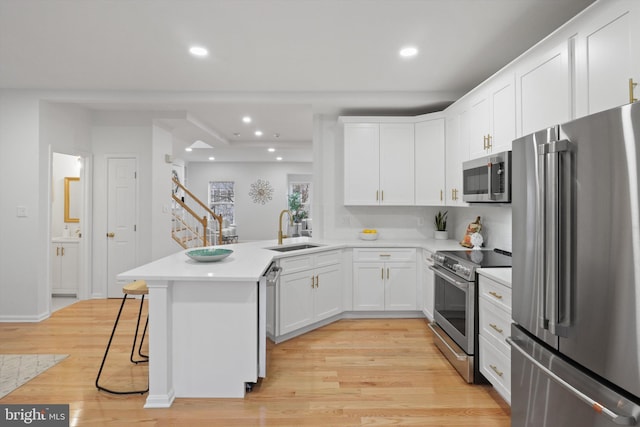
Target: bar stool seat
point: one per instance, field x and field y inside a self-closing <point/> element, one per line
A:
<point x="139" y="287"/>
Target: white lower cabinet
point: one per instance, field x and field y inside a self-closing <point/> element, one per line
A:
<point x="494" y="309"/>
<point x="428" y="285"/>
<point x="310" y="289"/>
<point x="64" y="268"/>
<point x="384" y="279"/>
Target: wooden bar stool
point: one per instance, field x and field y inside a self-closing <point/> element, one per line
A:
<point x="139" y="287"/>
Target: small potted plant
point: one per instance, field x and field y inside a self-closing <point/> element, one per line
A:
<point x="440" y="232"/>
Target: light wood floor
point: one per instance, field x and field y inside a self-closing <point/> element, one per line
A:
<point x="350" y="373"/>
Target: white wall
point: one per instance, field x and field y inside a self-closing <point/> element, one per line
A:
<point x="162" y="144"/>
<point x="23" y="240"/>
<point x="254" y="221"/>
<point x="120" y="135"/>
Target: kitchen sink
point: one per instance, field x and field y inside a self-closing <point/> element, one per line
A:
<point x="289" y="248"/>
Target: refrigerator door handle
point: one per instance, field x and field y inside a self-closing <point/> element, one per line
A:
<point x="557" y="203"/>
<point x="541" y="237"/>
<point x="597" y="407"/>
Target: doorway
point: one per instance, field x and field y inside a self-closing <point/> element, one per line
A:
<point x="122" y="213"/>
<point x="69" y="269"/>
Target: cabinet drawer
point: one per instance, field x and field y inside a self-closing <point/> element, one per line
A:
<point x="495" y="293"/>
<point x="385" y="255"/>
<point x="328" y="258"/>
<point x="295" y="264"/>
<point x="495" y="325"/>
<point x="496" y="367"/>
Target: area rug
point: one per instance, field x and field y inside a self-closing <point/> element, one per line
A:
<point x="17" y="369"/>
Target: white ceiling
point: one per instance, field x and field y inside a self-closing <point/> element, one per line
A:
<point x="279" y="61"/>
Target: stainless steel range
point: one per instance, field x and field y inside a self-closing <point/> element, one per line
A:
<point x="455" y="312"/>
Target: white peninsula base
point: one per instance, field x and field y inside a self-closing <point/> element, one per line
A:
<point x="203" y="339"/>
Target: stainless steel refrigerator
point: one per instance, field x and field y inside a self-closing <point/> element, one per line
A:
<point x="575" y="343"/>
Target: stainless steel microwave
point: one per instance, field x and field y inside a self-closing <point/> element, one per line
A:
<point x="487" y="179"/>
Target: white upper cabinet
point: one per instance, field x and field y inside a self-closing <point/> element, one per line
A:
<point x="503" y="113"/>
<point x="379" y="164"/>
<point x="397" y="164"/>
<point x="492" y="121"/>
<point x="429" y="162"/>
<point x="543" y="82"/>
<point x="361" y="163"/>
<point x="608" y="58"/>
<point x="457" y="151"/>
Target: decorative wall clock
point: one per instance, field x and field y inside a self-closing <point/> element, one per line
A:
<point x="261" y="191"/>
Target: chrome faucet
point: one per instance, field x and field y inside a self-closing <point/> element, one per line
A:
<point x="280" y="235"/>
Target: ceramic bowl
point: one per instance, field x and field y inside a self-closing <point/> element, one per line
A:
<point x="208" y="254"/>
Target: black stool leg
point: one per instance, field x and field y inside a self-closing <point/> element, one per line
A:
<point x="144" y="332"/>
<point x="104" y="358"/>
<point x="135" y="337"/>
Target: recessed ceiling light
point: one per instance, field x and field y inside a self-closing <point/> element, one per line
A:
<point x="271" y="150"/>
<point x="278" y="158"/>
<point x="408" y="52"/>
<point x="258" y="133"/>
<point x="198" y="51"/>
<point x="212" y="158"/>
<point x="246" y="119"/>
<point x="188" y="149"/>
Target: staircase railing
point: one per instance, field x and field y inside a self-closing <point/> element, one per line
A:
<point x="194" y="223"/>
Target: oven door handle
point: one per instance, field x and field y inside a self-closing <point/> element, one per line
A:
<point x="463" y="286"/>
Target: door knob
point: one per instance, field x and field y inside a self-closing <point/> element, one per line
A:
<point x="111" y="234"/>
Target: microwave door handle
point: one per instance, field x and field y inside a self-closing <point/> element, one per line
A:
<point x="489" y="183"/>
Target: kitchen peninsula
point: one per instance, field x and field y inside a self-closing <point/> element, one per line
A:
<point x="204" y="333"/>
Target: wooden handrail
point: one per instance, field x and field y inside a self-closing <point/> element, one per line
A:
<point x="218" y="218"/>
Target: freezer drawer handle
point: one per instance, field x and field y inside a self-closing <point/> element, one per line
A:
<point x="599" y="408"/>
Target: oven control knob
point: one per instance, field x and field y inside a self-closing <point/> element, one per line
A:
<point x="437" y="258"/>
<point x="461" y="269"/>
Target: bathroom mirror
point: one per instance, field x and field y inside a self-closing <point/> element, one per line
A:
<point x="71" y="199"/>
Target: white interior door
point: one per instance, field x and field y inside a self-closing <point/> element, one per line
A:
<point x="121" y="221"/>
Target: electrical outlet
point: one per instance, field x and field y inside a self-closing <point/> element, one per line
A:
<point x="420" y="221"/>
<point x="21" y="212"/>
<point x="346" y="220"/>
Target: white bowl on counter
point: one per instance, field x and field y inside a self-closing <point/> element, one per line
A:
<point x="368" y="236"/>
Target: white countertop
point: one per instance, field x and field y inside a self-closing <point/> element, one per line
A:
<point x="65" y="240"/>
<point x="249" y="260"/>
<point x="500" y="275"/>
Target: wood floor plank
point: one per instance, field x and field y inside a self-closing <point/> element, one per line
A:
<point x="376" y="372"/>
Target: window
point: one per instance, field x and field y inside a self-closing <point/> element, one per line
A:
<point x="304" y="190"/>
<point x="222" y="200"/>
